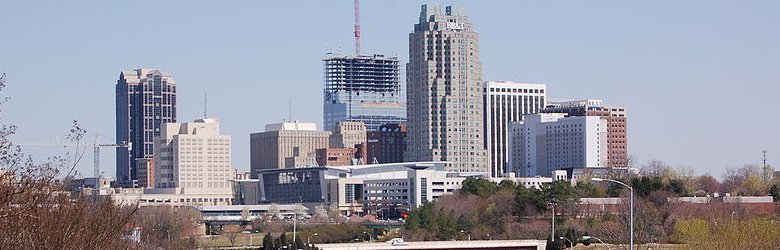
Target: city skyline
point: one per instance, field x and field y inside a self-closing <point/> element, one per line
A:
<point x="703" y="73"/>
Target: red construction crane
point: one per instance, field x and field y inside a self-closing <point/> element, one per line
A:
<point x="357" y="27"/>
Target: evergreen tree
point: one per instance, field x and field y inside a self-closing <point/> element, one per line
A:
<point x="283" y="239"/>
<point x="268" y="242"/>
<point x="298" y="244"/>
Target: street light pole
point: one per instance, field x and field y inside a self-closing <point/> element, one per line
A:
<point x="552" y="204"/>
<point x="631" y="207"/>
<point x="570" y="243"/>
<point x="370" y="239"/>
<point x="467" y="234"/>
<point x="308" y="240"/>
<point x="591" y="237"/>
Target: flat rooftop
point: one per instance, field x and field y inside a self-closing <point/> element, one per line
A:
<point x="474" y="244"/>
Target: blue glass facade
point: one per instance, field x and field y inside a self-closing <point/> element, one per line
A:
<point x="363" y="88"/>
<point x="145" y="99"/>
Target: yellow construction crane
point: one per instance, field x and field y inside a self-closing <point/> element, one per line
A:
<point x="96" y="151"/>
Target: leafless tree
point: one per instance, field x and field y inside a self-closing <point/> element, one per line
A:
<point x="37" y="213"/>
<point x="231" y="232"/>
<point x="167" y="227"/>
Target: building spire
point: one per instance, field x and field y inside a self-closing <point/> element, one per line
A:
<point x="205" y="105"/>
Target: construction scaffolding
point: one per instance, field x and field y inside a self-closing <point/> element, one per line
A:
<point x="363" y="88"/>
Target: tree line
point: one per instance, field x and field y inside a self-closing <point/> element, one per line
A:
<point x="487" y="210"/>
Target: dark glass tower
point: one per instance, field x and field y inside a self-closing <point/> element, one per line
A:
<point x="145" y="99"/>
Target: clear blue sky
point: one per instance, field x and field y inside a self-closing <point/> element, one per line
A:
<point x="698" y="78"/>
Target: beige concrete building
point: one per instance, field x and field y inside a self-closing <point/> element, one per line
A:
<point x="348" y="134"/>
<point x="288" y="144"/>
<point x="193" y="158"/>
<point x="444" y="91"/>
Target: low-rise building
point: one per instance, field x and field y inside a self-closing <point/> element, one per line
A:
<point x="338" y="156"/>
<point x="165" y="196"/>
<point x="535" y="181"/>
<point x="359" y="189"/>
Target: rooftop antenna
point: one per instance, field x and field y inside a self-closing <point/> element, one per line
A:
<point x="357" y="27"/>
<point x="289" y="109"/>
<point x="205" y="105"/>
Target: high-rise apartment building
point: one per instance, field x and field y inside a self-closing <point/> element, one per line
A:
<point x="287" y="144"/>
<point x="507" y="102"/>
<point x="362" y="88"/>
<point x="545" y="142"/>
<point x="617" y="138"/>
<point x="145" y="99"/>
<point x="444" y="91"/>
<point x="193" y="158"/>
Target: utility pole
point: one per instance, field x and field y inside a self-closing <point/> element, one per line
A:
<point x="764" y="158"/>
<point x="767" y="171"/>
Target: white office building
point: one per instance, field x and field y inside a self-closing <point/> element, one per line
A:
<point x="360" y="189"/>
<point x="507" y="102"/>
<point x="542" y="143"/>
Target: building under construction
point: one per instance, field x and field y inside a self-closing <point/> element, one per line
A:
<point x="363" y="88"/>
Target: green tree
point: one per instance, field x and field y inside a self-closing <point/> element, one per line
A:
<point x="678" y="187"/>
<point x="774" y="191"/>
<point x="268" y="242"/>
<point x="298" y="244"/>
<point x="589" y="189"/>
<point x="478" y="186"/>
<point x="643" y="186"/>
<point x="529" y="201"/>
<point x="283" y="239"/>
<point x="507" y="184"/>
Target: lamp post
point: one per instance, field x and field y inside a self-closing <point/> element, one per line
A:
<point x="631" y="213"/>
<point x="591" y="237"/>
<point x="467" y="234"/>
<point x="370" y="239"/>
<point x="308" y="240"/>
<point x="570" y="243"/>
<point x="489" y="237"/>
<point x="552" y="204"/>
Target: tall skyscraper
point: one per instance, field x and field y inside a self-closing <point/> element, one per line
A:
<point x="507" y="102"/>
<point x="444" y="92"/>
<point x="617" y="140"/>
<point x="362" y="88"/>
<point x="194" y="158"/>
<point x="145" y="99"/>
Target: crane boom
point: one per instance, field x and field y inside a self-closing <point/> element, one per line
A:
<point x="96" y="152"/>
